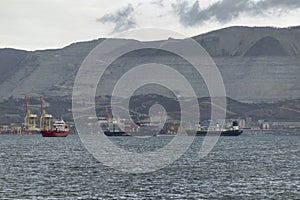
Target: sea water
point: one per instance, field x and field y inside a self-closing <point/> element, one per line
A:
<point x="244" y="167"/>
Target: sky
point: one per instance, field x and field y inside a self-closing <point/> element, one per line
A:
<point x="44" y="24"/>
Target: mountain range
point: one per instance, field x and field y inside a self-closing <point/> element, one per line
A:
<point x="257" y="64"/>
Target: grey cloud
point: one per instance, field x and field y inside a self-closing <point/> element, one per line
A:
<point x="123" y="19"/>
<point x="227" y="10"/>
<point x="158" y="2"/>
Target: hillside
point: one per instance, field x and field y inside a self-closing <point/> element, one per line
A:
<point x="257" y="65"/>
<point x="252" y="41"/>
<point x="13" y="109"/>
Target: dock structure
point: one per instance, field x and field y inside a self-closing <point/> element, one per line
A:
<point x="45" y="119"/>
<point x="29" y="119"/>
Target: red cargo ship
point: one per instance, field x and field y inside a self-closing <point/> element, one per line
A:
<point x="60" y="129"/>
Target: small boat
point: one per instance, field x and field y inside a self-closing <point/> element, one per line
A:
<point x="60" y="129"/>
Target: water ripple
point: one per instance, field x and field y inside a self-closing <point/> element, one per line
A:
<point x="260" y="167"/>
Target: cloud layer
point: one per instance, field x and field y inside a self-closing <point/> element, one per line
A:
<point x="123" y="19"/>
<point x="48" y="25"/>
<point x="228" y="10"/>
<point x="158" y="2"/>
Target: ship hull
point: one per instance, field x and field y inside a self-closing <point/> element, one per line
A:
<point x="134" y="134"/>
<point x="215" y="133"/>
<point x="116" y="133"/>
<point x="55" y="134"/>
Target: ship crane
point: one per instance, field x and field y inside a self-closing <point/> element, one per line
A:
<point x="45" y="119"/>
<point x="109" y="116"/>
<point x="29" y="119"/>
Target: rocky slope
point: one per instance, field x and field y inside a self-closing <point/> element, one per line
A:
<point x="257" y="64"/>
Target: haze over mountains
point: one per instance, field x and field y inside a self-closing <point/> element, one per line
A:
<point x="257" y="64"/>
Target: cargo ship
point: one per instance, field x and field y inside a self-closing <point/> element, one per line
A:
<point x="114" y="130"/>
<point x="59" y="129"/>
<point x="128" y="129"/>
<point x="233" y="130"/>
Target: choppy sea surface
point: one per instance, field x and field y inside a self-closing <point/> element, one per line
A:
<point x="244" y="167"/>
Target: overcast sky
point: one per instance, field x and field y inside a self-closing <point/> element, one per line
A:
<point x="41" y="24"/>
